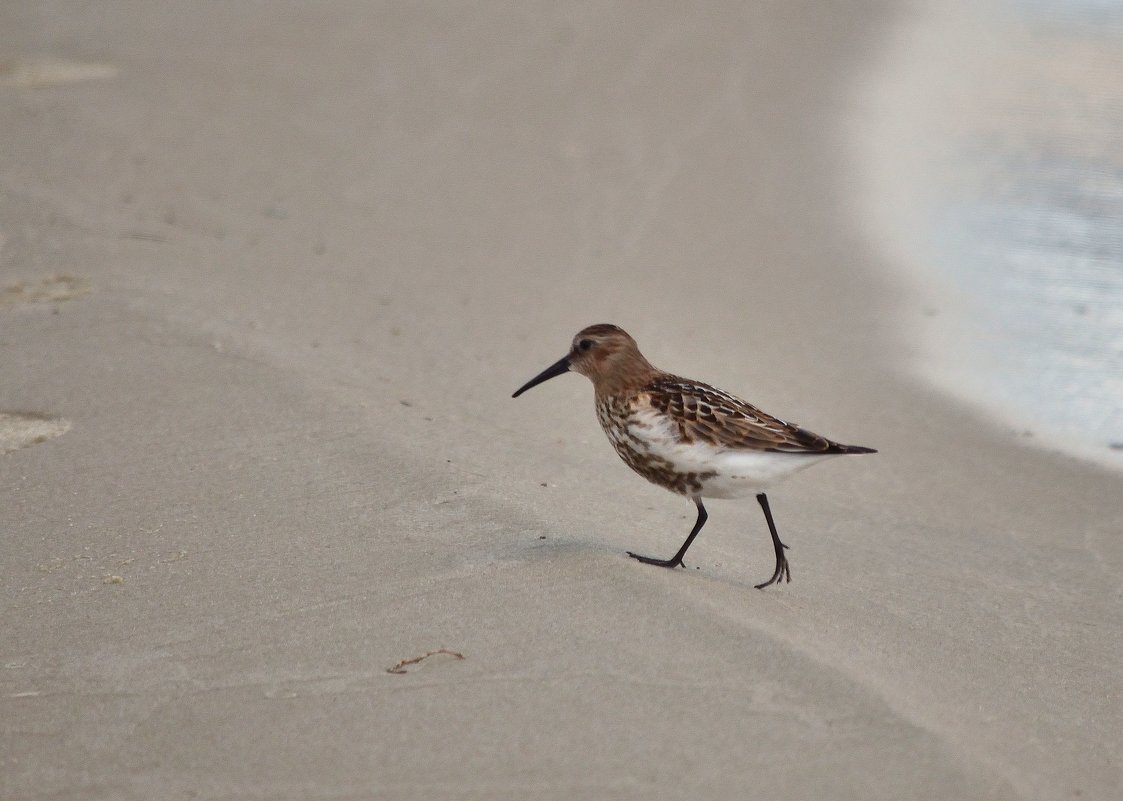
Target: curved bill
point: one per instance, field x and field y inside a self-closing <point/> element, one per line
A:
<point x="555" y="369"/>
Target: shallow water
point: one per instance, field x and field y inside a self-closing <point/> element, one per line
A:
<point x="997" y="167"/>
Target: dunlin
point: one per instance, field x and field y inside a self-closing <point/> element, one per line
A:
<point x="686" y="436"/>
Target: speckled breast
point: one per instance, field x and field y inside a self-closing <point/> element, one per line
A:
<point x="627" y="433"/>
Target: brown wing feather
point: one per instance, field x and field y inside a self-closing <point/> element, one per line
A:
<point x="707" y="414"/>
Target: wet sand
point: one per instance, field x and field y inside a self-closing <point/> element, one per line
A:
<point x="991" y="173"/>
<point x="318" y="247"/>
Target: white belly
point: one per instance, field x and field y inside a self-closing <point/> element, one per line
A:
<point x="741" y="473"/>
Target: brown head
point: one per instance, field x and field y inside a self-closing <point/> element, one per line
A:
<point x="606" y="355"/>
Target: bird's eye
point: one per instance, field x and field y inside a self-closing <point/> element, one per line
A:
<point x="585" y="344"/>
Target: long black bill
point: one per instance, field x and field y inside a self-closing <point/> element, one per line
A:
<point x="554" y="370"/>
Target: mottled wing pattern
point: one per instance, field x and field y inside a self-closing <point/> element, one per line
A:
<point x="706" y="414"/>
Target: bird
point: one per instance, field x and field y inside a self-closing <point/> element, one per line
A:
<point x="686" y="436"/>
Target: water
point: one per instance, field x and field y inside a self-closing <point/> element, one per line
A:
<point x="995" y="146"/>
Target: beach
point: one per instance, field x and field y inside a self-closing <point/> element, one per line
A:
<point x="269" y="275"/>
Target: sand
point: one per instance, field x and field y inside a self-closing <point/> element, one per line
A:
<point x="309" y="250"/>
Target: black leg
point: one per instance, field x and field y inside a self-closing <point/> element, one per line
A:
<point x="782" y="572"/>
<point x="676" y="560"/>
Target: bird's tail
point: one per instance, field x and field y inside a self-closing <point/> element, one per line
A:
<point x="853" y="449"/>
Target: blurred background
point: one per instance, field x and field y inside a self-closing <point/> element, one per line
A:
<point x="991" y="154"/>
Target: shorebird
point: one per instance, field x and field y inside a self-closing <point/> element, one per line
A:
<point x="686" y="436"/>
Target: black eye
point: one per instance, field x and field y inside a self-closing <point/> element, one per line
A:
<point x="585" y="344"/>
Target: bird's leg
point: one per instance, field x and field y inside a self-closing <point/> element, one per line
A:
<point x="782" y="572"/>
<point x="676" y="560"/>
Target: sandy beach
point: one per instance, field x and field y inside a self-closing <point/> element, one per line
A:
<point x="269" y="274"/>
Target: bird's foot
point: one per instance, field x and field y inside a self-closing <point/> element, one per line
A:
<point x="650" y="560"/>
<point x="782" y="573"/>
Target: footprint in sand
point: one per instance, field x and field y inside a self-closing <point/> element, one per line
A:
<point x="23" y="429"/>
<point x="40" y="73"/>
<point x="55" y="289"/>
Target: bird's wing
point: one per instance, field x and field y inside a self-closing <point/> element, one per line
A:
<point x="704" y="413"/>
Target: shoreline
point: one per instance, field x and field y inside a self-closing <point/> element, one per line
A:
<point x="913" y="167"/>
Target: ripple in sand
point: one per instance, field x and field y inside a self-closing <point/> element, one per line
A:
<point x="23" y="429"/>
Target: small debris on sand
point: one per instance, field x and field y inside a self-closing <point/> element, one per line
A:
<point x="401" y="666"/>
